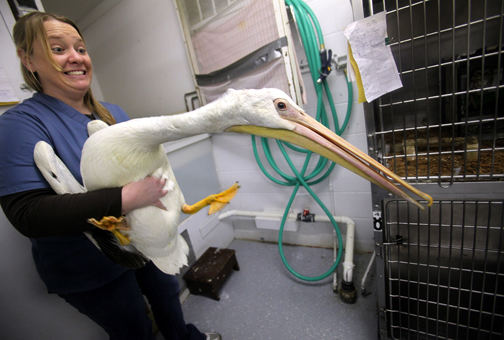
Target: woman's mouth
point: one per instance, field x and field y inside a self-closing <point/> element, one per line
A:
<point x="75" y="73"/>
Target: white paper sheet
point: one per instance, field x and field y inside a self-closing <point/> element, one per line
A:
<point x="7" y="94"/>
<point x="374" y="59"/>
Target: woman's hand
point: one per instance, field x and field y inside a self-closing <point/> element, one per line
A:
<point x="142" y="193"/>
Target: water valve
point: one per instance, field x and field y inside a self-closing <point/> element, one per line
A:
<point x="306" y="216"/>
<point x="325" y="61"/>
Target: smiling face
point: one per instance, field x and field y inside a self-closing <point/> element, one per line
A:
<point x="68" y="75"/>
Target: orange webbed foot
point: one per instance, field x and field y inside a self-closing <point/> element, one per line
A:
<point x="114" y="225"/>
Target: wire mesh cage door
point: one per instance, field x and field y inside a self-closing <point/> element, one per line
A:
<point x="446" y="124"/>
<point x="444" y="270"/>
<point x="444" y="131"/>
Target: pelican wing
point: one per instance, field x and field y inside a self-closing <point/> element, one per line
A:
<point x="61" y="180"/>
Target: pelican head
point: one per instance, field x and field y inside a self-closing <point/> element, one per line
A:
<point x="272" y="113"/>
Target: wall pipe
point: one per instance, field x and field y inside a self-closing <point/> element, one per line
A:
<point x="348" y="264"/>
<point x="364" y="277"/>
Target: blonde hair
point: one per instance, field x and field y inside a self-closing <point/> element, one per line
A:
<point x="27" y="30"/>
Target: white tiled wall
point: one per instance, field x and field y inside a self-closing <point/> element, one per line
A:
<point x="344" y="193"/>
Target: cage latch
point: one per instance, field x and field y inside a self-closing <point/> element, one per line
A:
<point x="377" y="220"/>
<point x="397" y="242"/>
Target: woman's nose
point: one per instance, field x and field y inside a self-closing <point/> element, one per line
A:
<point x="75" y="56"/>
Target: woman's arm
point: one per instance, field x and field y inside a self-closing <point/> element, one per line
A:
<point x="41" y="212"/>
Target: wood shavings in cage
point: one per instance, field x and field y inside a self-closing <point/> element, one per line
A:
<point x="461" y="158"/>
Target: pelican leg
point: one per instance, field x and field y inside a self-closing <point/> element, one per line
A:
<point x="114" y="225"/>
<point x="216" y="201"/>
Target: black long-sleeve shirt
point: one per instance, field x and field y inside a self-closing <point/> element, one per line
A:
<point x="41" y="215"/>
<point x="41" y="212"/>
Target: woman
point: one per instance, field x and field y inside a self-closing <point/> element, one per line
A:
<point x="55" y="63"/>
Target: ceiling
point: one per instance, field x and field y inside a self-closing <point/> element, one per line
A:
<point x="73" y="9"/>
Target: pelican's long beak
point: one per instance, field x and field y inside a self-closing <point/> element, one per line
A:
<point x="311" y="135"/>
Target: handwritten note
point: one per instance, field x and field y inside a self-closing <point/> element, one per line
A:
<point x="374" y="59"/>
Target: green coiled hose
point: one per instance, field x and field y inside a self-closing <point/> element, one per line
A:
<point x="312" y="39"/>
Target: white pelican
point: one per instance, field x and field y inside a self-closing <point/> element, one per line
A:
<point x="63" y="182"/>
<point x="122" y="153"/>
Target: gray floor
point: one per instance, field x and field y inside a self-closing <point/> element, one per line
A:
<point x="264" y="301"/>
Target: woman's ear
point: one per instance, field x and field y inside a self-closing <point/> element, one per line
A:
<point x="25" y="59"/>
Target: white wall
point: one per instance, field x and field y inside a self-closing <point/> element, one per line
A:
<point x="344" y="193"/>
<point x="350" y="193"/>
<point x="139" y="57"/>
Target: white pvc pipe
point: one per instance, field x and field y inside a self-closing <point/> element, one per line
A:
<point x="348" y="264"/>
<point x="335" y="255"/>
<point x="368" y="268"/>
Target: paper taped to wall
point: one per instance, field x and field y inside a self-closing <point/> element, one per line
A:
<point x="7" y="94"/>
<point x="373" y="57"/>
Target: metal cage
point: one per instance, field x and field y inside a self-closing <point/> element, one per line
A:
<point x="447" y="122"/>
<point x="441" y="270"/>
<point x="444" y="268"/>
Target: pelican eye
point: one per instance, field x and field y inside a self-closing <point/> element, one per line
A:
<point x="281" y="105"/>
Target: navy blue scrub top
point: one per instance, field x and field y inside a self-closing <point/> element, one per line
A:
<point x="66" y="264"/>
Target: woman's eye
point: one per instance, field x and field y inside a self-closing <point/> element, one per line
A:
<point x="81" y="50"/>
<point x="56" y="49"/>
